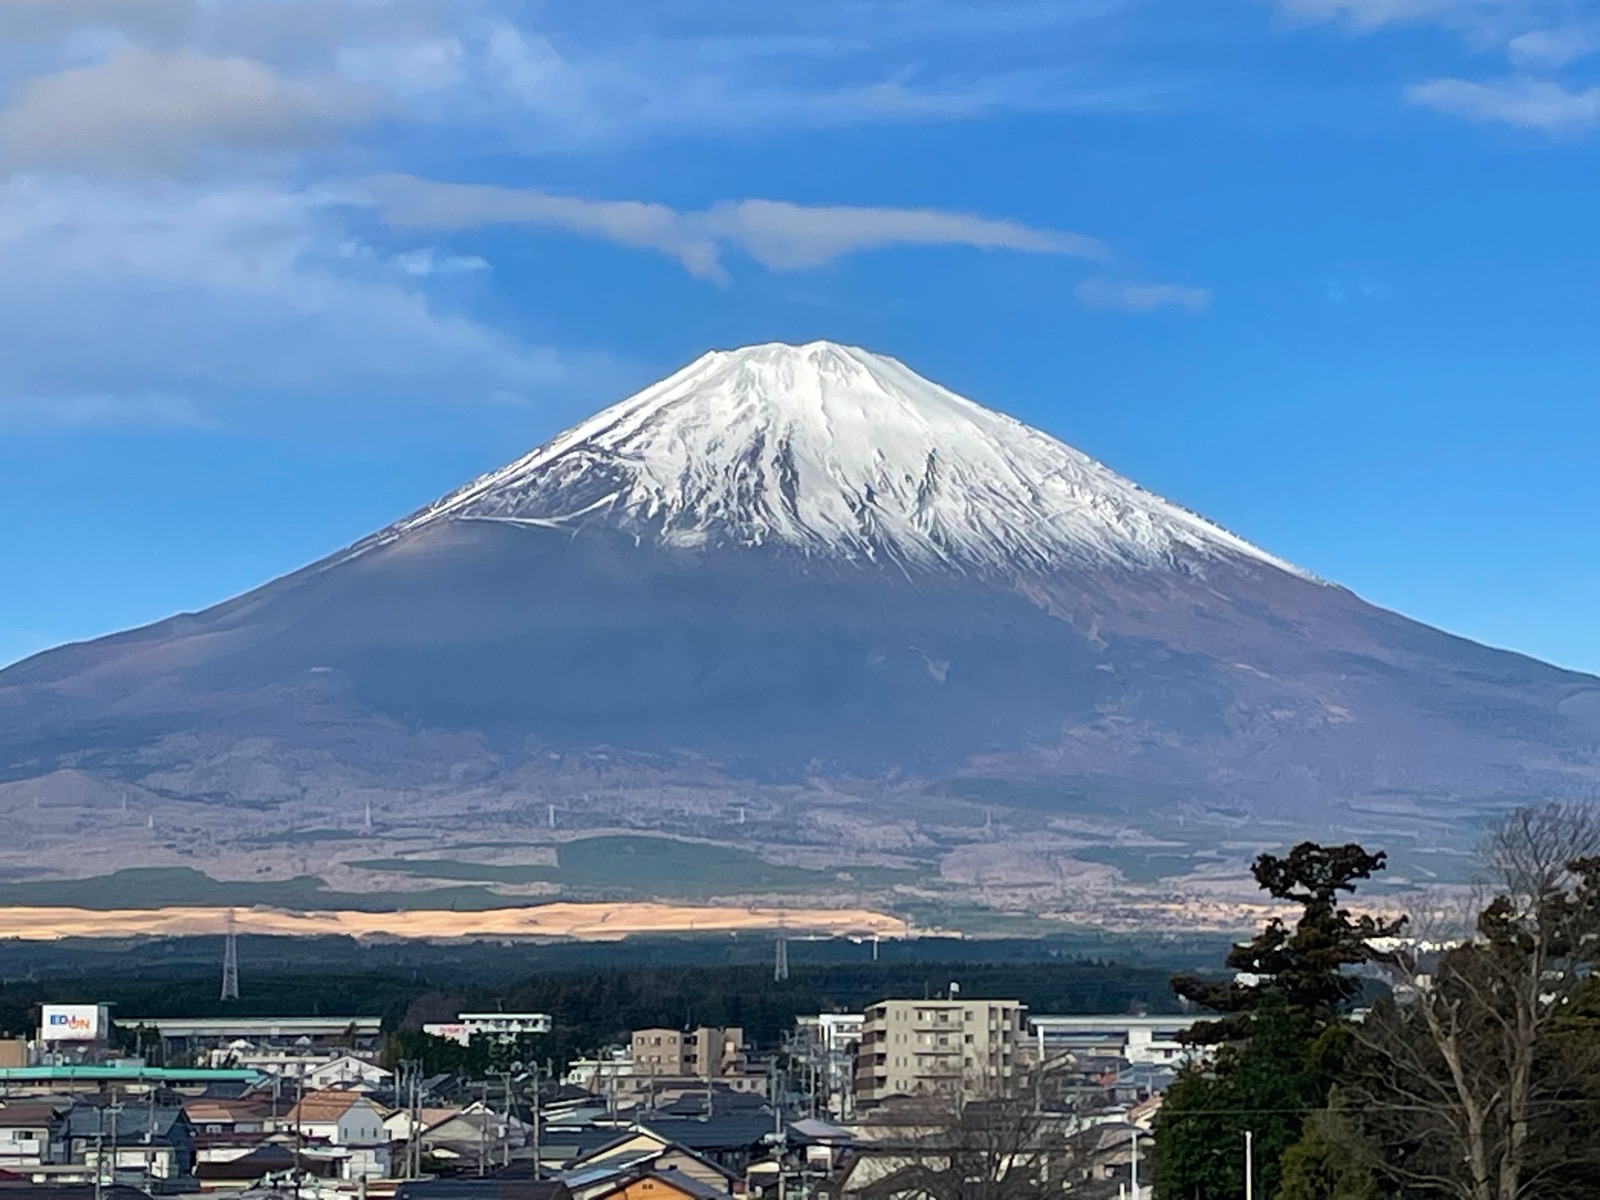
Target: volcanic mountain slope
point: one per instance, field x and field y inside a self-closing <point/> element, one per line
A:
<point x="878" y="622"/>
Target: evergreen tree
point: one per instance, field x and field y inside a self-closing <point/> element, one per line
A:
<point x="1279" y="1044"/>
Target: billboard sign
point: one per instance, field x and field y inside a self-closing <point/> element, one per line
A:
<point x="71" y="1023"/>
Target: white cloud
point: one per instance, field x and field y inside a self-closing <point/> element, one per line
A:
<point x="1552" y="47"/>
<point x="787" y="237"/>
<point x="819" y="65"/>
<point x="163" y="302"/>
<point x="1541" y="37"/>
<point x="1369" y="14"/>
<point x="78" y="412"/>
<point x="431" y="261"/>
<point x="1536" y="28"/>
<point x="46" y="20"/>
<point x="145" y="111"/>
<point x="1141" y="297"/>
<point x="779" y="235"/>
<point x="1528" y="103"/>
<point x="407" y="202"/>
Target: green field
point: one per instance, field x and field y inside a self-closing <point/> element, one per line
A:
<point x="160" y="887"/>
<point x="622" y="867"/>
<point x="598" y="868"/>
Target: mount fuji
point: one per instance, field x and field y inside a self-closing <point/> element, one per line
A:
<point x="801" y="601"/>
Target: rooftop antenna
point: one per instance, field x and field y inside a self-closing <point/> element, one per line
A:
<point x="230" y="962"/>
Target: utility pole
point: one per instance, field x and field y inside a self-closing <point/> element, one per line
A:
<point x="1134" y="1176"/>
<point x="1249" y="1165"/>
<point x="416" y="1119"/>
<point x="505" y="1127"/>
<point x="299" y="1099"/>
<point x="115" y="1108"/>
<point x="483" y="1129"/>
<point x="538" y="1132"/>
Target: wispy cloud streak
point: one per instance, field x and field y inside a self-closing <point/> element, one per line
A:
<point x="777" y="234"/>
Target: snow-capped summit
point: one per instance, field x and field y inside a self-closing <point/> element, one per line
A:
<point x="833" y="451"/>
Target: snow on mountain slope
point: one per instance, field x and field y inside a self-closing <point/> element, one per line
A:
<point x="836" y="452"/>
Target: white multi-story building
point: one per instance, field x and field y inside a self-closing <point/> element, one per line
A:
<point x="962" y="1048"/>
<point x="505" y="1027"/>
<point x="833" y="1032"/>
<point x="1142" y="1041"/>
<point x="601" y="1076"/>
<point x="826" y="1047"/>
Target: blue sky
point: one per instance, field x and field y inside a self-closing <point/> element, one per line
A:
<point x="274" y="272"/>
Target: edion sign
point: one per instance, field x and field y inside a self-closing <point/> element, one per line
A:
<point x="70" y="1023"/>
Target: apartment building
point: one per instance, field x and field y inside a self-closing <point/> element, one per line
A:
<point x="704" y="1053"/>
<point x="958" y="1047"/>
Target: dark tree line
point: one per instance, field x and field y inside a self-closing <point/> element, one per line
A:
<point x="595" y="1008"/>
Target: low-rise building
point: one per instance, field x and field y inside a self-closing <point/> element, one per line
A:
<point x="704" y="1053"/>
<point x="502" y="1027"/>
<point x="139" y="1143"/>
<point x="30" y="1132"/>
<point x="245" y="1116"/>
<point x="345" y="1129"/>
<point x="130" y="1077"/>
<point x="1137" y="1040"/>
<point x="348" y="1071"/>
<point x="338" y="1118"/>
<point x="603" y="1075"/>
<point x="324" y="1036"/>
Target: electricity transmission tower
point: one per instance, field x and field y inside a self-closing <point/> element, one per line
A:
<point x="230" y="962"/>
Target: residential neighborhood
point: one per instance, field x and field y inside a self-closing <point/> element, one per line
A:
<point x="846" y="1105"/>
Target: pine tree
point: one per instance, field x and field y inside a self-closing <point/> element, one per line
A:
<point x="1278" y="1047"/>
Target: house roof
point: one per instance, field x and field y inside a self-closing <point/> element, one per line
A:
<point x="352" y="1063"/>
<point x="489" y="1188"/>
<point x="810" y="1129"/>
<point x="677" y="1180"/>
<point x="265" y="1159"/>
<point x="121" y="1073"/>
<point x="569" y="1143"/>
<point x="650" y="1148"/>
<point x="207" y="1111"/>
<point x="429" y="1117"/>
<point x="322" y="1106"/>
<point x="730" y="1131"/>
<point x="68" y="1191"/>
<point x="130" y="1124"/>
<point x="27" y="1114"/>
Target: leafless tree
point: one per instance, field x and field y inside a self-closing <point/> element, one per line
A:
<point x="1475" y="1077"/>
<point x="998" y="1148"/>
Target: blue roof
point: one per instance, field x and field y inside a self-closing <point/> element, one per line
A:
<point x="117" y="1071"/>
